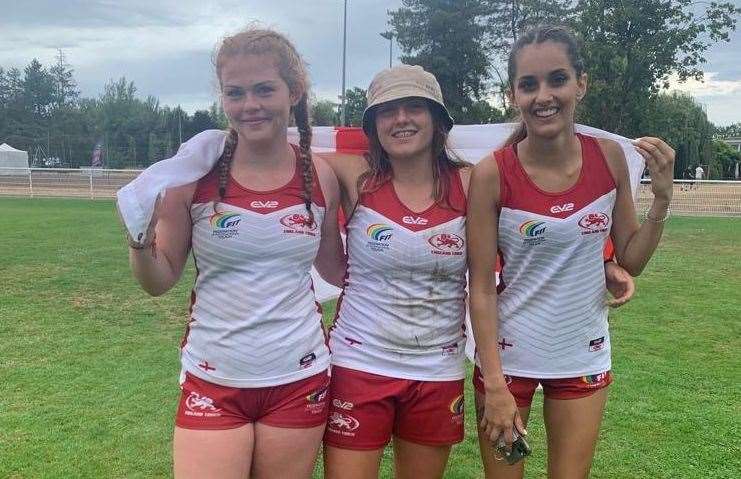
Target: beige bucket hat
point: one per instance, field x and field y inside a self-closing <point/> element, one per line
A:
<point x="404" y="81"/>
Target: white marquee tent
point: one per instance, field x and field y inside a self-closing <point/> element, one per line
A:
<point x="12" y="158"/>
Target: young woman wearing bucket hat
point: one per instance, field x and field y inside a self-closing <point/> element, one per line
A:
<point x="397" y="342"/>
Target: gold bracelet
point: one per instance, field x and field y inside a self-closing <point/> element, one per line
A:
<point x="650" y="218"/>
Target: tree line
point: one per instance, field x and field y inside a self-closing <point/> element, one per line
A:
<point x="631" y="47"/>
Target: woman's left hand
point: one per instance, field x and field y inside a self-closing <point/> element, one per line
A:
<point x="619" y="283"/>
<point x="660" y="162"/>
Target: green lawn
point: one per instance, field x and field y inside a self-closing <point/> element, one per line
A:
<point x="89" y="362"/>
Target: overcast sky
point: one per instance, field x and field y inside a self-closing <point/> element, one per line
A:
<point x="165" y="46"/>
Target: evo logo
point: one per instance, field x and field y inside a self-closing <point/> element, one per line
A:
<point x="562" y="208"/>
<point x="414" y="220"/>
<point x="264" y="204"/>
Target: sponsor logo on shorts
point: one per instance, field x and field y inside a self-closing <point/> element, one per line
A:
<point x="595" y="379"/>
<point x="451" y="349"/>
<point x="456" y="408"/>
<point x="380" y="236"/>
<point x="307" y="360"/>
<point x="594" y="223"/>
<point x="597" y="344"/>
<point x="447" y="244"/>
<point x="316" y="400"/>
<point x="224" y="225"/>
<point x="532" y="232"/>
<point x="298" y="223"/>
<point x="318" y="395"/>
<point x="341" y="404"/>
<point x="342" y="424"/>
<point x="200" y="406"/>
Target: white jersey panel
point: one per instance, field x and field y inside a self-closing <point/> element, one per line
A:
<point x="403" y="306"/>
<point x="552" y="312"/>
<point x="254" y="321"/>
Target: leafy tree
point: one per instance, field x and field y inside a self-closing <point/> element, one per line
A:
<point x="65" y="88"/>
<point x="683" y="123"/>
<point x="38" y="88"/>
<point x="730" y="131"/>
<point x="355" y="103"/>
<point x="324" y="113"/>
<point x="447" y="38"/>
<point x="724" y="159"/>
<point x="633" y="46"/>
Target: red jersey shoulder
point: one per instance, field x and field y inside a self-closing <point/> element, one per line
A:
<point x="521" y="193"/>
<point x="264" y="202"/>
<point x="384" y="200"/>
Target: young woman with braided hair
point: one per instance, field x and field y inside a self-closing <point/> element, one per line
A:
<point x="254" y="359"/>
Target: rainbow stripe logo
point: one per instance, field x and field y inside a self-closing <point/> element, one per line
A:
<point x="379" y="232"/>
<point x="456" y="407"/>
<point x="532" y="228"/>
<point x="594" y="378"/>
<point x="224" y="220"/>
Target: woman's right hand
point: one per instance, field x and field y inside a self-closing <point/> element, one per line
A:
<point x="500" y="416"/>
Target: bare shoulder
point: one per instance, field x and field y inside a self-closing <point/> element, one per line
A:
<point x="327" y="178"/>
<point x="465" y="174"/>
<point x="486" y="170"/>
<point x="179" y="196"/>
<point x="323" y="169"/>
<point x="346" y="167"/>
<point x="614" y="155"/>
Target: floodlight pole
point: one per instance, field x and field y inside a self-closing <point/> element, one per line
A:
<point x="344" y="69"/>
<point x="390" y="37"/>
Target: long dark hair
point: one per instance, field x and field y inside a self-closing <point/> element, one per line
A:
<point x="292" y="69"/>
<point x="540" y="34"/>
<point x="444" y="164"/>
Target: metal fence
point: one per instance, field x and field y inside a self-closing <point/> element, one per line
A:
<point x="63" y="182"/>
<point x="691" y="197"/>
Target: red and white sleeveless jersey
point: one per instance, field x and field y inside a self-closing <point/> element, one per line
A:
<point x="254" y="319"/>
<point x="402" y="309"/>
<point x="552" y="313"/>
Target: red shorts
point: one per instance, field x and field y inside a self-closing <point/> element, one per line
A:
<point x="300" y="404"/>
<point x="366" y="409"/>
<point x="523" y="389"/>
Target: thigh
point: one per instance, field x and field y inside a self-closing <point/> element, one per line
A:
<point x="285" y="452"/>
<point x="572" y="427"/>
<point x="494" y="468"/>
<point x="412" y="460"/>
<point x="340" y="463"/>
<point x="218" y="454"/>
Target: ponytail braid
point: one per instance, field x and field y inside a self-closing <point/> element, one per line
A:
<point x="225" y="162"/>
<point x="301" y="115"/>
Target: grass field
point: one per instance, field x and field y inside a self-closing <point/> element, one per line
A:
<point x="89" y="362"/>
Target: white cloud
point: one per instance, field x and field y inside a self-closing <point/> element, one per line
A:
<point x="721" y="98"/>
<point x="709" y="87"/>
